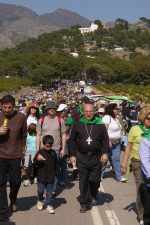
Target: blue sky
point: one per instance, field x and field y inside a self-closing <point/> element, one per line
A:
<point x="104" y="10"/>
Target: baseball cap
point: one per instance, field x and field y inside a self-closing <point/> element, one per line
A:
<point x="61" y="107"/>
<point x="34" y="104"/>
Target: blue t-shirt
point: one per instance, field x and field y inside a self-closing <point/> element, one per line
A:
<point x="31" y="144"/>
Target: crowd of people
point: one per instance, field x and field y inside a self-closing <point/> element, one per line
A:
<point x="44" y="130"/>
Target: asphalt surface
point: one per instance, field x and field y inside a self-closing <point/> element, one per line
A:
<point x="116" y="205"/>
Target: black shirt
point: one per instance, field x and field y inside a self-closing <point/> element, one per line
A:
<point x="48" y="168"/>
<point x="79" y="136"/>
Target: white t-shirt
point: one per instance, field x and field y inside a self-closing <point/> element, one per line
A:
<point x="114" y="128"/>
<point x="31" y="120"/>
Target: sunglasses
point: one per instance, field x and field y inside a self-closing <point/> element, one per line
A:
<point x="148" y="118"/>
<point x="33" y="107"/>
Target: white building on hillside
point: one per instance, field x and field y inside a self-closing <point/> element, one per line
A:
<point x="90" y="29"/>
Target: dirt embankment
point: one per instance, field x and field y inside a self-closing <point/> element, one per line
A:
<point x="99" y="92"/>
<point x="108" y="92"/>
<point x="24" y="90"/>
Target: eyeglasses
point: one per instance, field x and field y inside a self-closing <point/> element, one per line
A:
<point x="148" y="118"/>
<point x="33" y="107"/>
<point x="90" y="112"/>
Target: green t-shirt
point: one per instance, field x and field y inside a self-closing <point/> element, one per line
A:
<point x="134" y="137"/>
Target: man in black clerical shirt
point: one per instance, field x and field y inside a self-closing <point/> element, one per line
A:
<point x="89" y="144"/>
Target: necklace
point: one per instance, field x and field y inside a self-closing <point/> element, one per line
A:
<point x="89" y="134"/>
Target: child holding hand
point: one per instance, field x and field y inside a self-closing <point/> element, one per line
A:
<point x="47" y="168"/>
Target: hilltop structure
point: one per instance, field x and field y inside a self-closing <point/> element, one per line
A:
<point x="89" y="29"/>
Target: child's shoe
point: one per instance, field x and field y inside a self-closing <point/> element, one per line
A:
<point x="50" y="209"/>
<point x="27" y="183"/>
<point x="40" y="205"/>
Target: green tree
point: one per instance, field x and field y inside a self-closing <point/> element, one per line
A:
<point x="99" y="23"/>
<point x="123" y="24"/>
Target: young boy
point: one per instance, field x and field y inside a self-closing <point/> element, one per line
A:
<point x="48" y="168"/>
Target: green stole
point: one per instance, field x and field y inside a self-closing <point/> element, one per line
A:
<point x="95" y="120"/>
<point x="146" y="133"/>
<point x="69" y="121"/>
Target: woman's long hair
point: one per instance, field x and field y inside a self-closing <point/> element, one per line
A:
<point x="109" y="110"/>
<point x="37" y="115"/>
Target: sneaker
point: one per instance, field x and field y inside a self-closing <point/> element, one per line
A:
<point x="40" y="205"/>
<point x="110" y="168"/>
<point x="141" y="222"/>
<point x="50" y="209"/>
<point x="123" y="180"/>
<point x="13" y="206"/>
<point x="35" y="180"/>
<point x="27" y="183"/>
<point x="62" y="184"/>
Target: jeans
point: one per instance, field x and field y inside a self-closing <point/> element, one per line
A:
<point x="13" y="169"/>
<point x="63" y="166"/>
<point x="56" y="180"/>
<point x="49" y="189"/>
<point x="104" y="166"/>
<point x="114" y="156"/>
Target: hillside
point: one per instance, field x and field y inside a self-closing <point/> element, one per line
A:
<point x="65" y="19"/>
<point x="18" y="23"/>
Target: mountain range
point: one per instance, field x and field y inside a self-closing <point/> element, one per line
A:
<point x="18" y="23"/>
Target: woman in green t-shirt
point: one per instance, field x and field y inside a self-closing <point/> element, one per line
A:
<point x="134" y="137"/>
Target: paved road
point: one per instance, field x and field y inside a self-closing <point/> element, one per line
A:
<point x="116" y="205"/>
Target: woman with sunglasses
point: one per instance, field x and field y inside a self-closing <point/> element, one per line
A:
<point x="33" y="114"/>
<point x="134" y="138"/>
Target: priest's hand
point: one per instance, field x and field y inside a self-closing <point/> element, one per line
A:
<point x="104" y="158"/>
<point x="73" y="159"/>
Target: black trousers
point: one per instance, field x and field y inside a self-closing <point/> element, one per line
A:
<point x="13" y="169"/>
<point x="145" y="198"/>
<point x="89" y="167"/>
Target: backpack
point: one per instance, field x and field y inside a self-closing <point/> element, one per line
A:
<point x="59" y="122"/>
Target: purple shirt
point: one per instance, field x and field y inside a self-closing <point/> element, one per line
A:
<point x="144" y="153"/>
